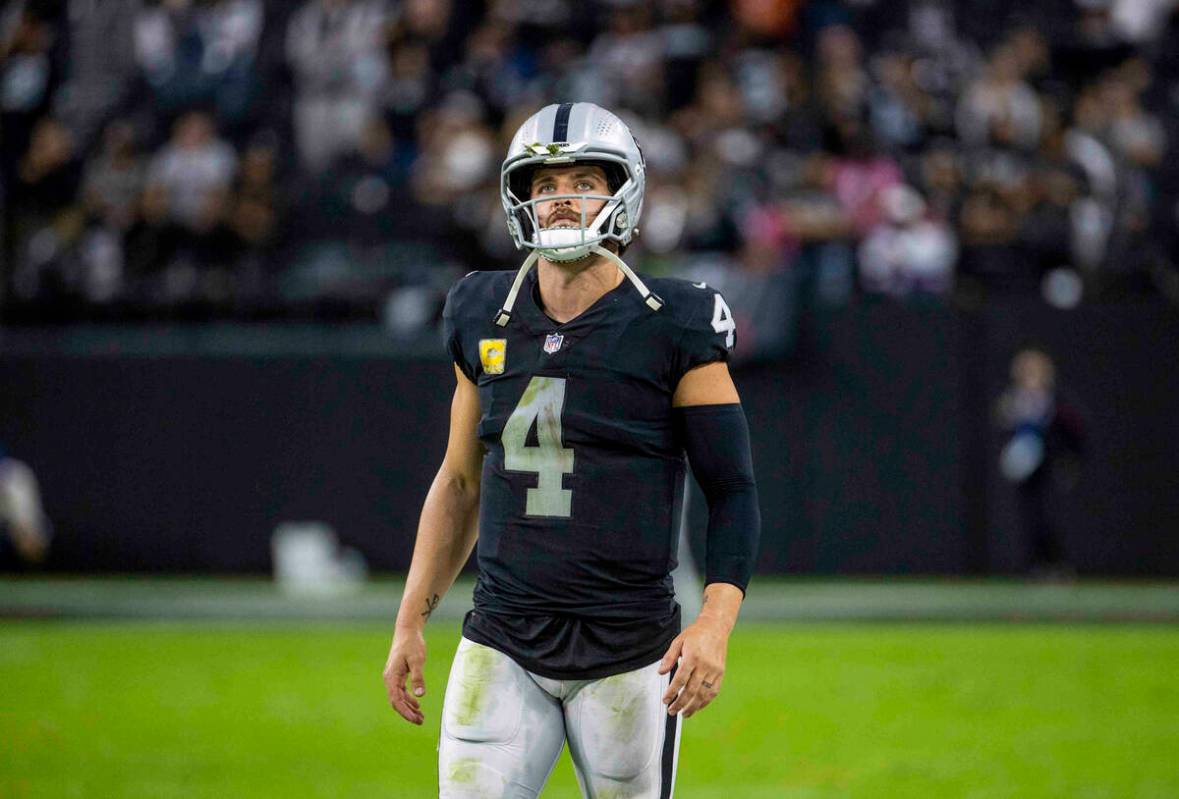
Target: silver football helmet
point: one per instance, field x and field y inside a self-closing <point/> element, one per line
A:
<point x="569" y="133"/>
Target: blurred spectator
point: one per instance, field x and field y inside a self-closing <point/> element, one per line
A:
<point x="25" y="528"/>
<point x="1096" y="214"/>
<point x="186" y="206"/>
<point x="189" y="179"/>
<point x="410" y="89"/>
<point x="946" y="56"/>
<point x="457" y="151"/>
<point x="255" y="201"/>
<point x="102" y="70"/>
<point x="990" y="238"/>
<point x="1094" y="44"/>
<point x="1031" y="54"/>
<point x="358" y="195"/>
<point x="767" y="20"/>
<point x="627" y="58"/>
<point x="1045" y="437"/>
<point x="841" y="80"/>
<point x="799" y="126"/>
<point x="495" y="69"/>
<point x="941" y="180"/>
<point x="1135" y="134"/>
<point x="434" y="23"/>
<point x="1056" y="186"/>
<point x="114" y="178"/>
<point x="45" y="220"/>
<point x="860" y="173"/>
<point x="112" y="191"/>
<point x="366" y="134"/>
<point x="901" y="112"/>
<point x="821" y="234"/>
<point x="48" y="174"/>
<point x="907" y="253"/>
<point x="257" y="207"/>
<point x="200" y="53"/>
<point x="1140" y="21"/>
<point x="28" y="74"/>
<point x="1138" y="139"/>
<point x="686" y="42"/>
<point x="335" y="49"/>
<point x="999" y="107"/>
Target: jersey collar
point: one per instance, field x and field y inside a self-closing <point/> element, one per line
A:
<point x="538" y="321"/>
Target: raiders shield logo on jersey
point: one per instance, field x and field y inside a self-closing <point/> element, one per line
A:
<point x="552" y="342"/>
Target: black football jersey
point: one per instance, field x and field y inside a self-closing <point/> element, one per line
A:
<point x="584" y="470"/>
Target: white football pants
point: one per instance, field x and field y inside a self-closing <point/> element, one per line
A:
<point x="503" y="728"/>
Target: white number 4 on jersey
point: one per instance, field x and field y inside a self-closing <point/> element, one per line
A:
<point x="542" y="403"/>
<point x="722" y="320"/>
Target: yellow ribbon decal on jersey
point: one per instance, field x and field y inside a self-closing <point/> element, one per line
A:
<point x="492" y="354"/>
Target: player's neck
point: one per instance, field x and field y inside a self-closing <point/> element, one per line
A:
<point x="568" y="289"/>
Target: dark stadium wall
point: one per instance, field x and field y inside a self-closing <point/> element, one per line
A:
<point x="874" y="448"/>
<point x="188" y="464"/>
<point x="856" y="446"/>
<point x="1118" y="365"/>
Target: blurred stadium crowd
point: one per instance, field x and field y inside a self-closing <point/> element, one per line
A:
<point x="339" y="158"/>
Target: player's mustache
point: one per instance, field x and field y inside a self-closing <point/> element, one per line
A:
<point x="560" y="214"/>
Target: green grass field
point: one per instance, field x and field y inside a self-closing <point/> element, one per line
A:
<point x="296" y="709"/>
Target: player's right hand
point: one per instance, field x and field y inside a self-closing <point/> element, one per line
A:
<point x="407" y="655"/>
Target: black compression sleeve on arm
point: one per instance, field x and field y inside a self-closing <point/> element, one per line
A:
<point x="716" y="439"/>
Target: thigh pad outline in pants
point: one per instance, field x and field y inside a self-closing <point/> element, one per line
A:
<point x="501" y="734"/>
<point x="619" y="735"/>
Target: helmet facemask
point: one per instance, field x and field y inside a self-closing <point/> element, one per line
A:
<point x="611" y="223"/>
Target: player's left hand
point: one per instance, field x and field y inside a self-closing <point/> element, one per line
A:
<point x="700" y="650"/>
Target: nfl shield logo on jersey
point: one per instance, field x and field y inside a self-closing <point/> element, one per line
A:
<point x="552" y="342"/>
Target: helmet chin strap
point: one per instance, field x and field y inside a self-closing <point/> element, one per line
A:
<point x="505" y="313"/>
<point x="652" y="300"/>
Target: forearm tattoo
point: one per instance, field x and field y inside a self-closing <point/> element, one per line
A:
<point x="431" y="603"/>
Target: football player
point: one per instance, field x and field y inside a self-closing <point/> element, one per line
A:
<point x="581" y="386"/>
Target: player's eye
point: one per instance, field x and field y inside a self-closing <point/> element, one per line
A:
<point x="585" y="186"/>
